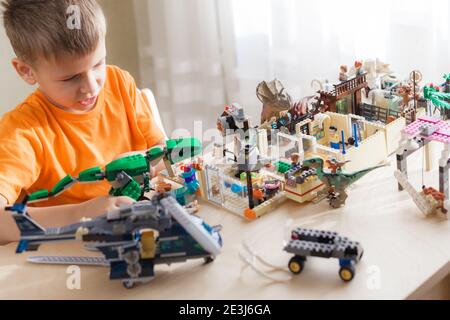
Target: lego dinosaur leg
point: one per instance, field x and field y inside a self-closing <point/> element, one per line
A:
<point x="338" y="198"/>
<point x="342" y="196"/>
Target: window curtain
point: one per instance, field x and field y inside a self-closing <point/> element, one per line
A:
<point x="198" y="55"/>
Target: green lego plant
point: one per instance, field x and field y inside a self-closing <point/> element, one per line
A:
<point x="439" y="99"/>
<point x="128" y="176"/>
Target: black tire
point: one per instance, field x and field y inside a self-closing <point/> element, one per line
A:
<point x="134" y="270"/>
<point x="128" y="284"/>
<point x="131" y="257"/>
<point x="296" y="264"/>
<point x="209" y="259"/>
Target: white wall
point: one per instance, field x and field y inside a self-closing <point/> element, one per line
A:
<point x="121" y="40"/>
<point x="13" y="89"/>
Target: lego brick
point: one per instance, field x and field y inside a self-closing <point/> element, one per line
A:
<point x="427" y="129"/>
<point x="309" y="248"/>
<point x="315" y="235"/>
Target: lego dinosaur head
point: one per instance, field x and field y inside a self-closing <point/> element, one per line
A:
<point x="313" y="162"/>
<point x="274" y="98"/>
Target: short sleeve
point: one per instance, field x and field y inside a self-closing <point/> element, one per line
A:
<point x="20" y="160"/>
<point x="146" y="121"/>
<point x="144" y="116"/>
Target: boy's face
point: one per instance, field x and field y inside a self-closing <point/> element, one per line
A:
<point x="72" y="83"/>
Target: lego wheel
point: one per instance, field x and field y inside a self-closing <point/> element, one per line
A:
<point x="128" y="284"/>
<point x="209" y="259"/>
<point x="347" y="273"/>
<point x="134" y="270"/>
<point x="131" y="257"/>
<point x="296" y="264"/>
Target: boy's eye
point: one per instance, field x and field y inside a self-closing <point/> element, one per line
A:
<point x="71" y="78"/>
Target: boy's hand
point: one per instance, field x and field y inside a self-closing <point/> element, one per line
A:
<point x="100" y="205"/>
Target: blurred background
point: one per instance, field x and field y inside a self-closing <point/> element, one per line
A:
<point x="198" y="55"/>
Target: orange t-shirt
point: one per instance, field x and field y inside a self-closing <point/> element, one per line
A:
<point x="40" y="143"/>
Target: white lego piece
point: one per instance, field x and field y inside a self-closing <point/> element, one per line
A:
<point x="418" y="199"/>
<point x="444" y="155"/>
<point x="320" y="118"/>
<point x="263" y="144"/>
<point x="402" y="143"/>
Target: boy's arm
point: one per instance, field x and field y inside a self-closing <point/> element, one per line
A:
<point x="57" y="215"/>
<point x="50" y="216"/>
<point x="8" y="229"/>
<point x="144" y="116"/>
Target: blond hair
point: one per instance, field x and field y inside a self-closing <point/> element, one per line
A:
<point x="51" y="28"/>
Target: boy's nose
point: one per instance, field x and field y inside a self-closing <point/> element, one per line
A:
<point x="89" y="84"/>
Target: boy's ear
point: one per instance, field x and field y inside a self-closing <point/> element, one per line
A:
<point x="24" y="70"/>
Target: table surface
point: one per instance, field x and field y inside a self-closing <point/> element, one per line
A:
<point x="405" y="254"/>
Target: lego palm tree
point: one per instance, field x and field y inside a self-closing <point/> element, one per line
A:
<point x="437" y="98"/>
<point x="440" y="99"/>
<point x="130" y="175"/>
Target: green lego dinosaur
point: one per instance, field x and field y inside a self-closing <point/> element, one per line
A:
<point x="128" y="176"/>
<point x="336" y="182"/>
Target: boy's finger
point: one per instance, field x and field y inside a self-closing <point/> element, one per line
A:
<point x="152" y="172"/>
<point x="123" y="200"/>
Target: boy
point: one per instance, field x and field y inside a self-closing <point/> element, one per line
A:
<point x="83" y="113"/>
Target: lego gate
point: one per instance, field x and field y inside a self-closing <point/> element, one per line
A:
<point x="374" y="113"/>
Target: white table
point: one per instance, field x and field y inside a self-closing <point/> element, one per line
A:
<point x="406" y="255"/>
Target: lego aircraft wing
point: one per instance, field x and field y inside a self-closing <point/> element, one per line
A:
<point x="197" y="231"/>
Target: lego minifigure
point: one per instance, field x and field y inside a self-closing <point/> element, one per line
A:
<point x="358" y="68"/>
<point x="328" y="86"/>
<point x="343" y="73"/>
<point x="271" y="187"/>
<point x="258" y="195"/>
<point x="334" y="138"/>
<point x="192" y="207"/>
<point x="148" y="244"/>
<point x="295" y="159"/>
<point x="335" y="166"/>
<point x="436" y="197"/>
<point x="445" y="87"/>
<point x="161" y="185"/>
